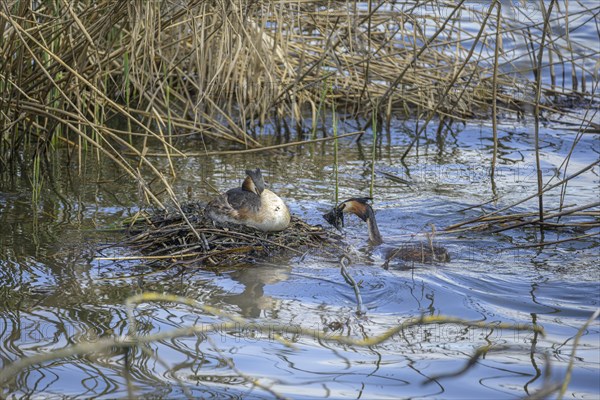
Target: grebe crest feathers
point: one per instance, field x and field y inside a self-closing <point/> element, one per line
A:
<point x="254" y="182"/>
<point x="361" y="208"/>
<point x="251" y="205"/>
<point x="415" y="252"/>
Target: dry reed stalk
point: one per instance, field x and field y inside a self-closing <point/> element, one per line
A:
<point x="548" y="187"/>
<point x="536" y="114"/>
<point x="170" y="69"/>
<point x="495" y="92"/>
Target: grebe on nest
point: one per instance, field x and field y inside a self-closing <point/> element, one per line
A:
<point x="251" y="205"/>
<point x="416" y="252"/>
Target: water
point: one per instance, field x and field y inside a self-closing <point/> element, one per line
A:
<point x="55" y="291"/>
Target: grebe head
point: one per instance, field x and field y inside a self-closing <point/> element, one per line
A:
<point x="360" y="207"/>
<point x="413" y="252"/>
<point x="254" y="182"/>
<point x="251" y="205"/>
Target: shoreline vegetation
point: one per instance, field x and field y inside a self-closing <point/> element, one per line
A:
<point x="130" y="79"/>
<point x="126" y="79"/>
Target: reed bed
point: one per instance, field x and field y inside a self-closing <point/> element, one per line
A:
<point x="164" y="69"/>
<point x="574" y="218"/>
<point x="121" y="79"/>
<point x="166" y="237"/>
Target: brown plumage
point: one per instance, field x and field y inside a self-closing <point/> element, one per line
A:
<point x="359" y="207"/>
<point x="416" y="252"/>
<point x="251" y="205"/>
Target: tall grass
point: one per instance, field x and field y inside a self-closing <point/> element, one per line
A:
<point x="220" y="69"/>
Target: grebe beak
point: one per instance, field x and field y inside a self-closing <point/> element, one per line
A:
<point x="355" y="205"/>
<point x="361" y="208"/>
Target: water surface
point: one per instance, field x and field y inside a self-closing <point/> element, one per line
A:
<point x="56" y="292"/>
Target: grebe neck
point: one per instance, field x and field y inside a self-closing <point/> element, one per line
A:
<point x="374" y="235"/>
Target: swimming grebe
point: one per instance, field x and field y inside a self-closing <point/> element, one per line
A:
<point x="417" y="252"/>
<point x="251" y="205"/>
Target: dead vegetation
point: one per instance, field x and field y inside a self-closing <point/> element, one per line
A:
<point x="166" y="238"/>
<point x="164" y="69"/>
<point x="121" y="79"/>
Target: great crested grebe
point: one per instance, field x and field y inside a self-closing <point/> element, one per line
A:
<point x="251" y="205"/>
<point x="416" y="252"/>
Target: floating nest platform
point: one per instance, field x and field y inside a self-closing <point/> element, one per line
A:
<point x="166" y="236"/>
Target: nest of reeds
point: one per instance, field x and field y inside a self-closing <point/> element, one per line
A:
<point x="188" y="237"/>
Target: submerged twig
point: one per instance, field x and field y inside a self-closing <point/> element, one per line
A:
<point x="105" y="344"/>
<point x="348" y="278"/>
<point x="578" y="336"/>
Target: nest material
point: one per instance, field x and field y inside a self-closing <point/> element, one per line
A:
<point x="165" y="235"/>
